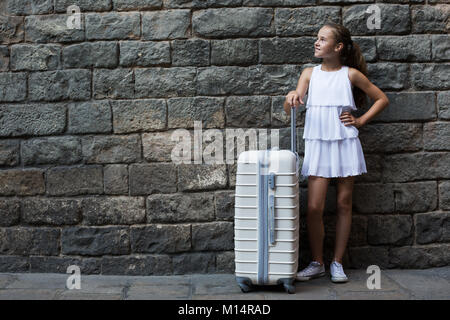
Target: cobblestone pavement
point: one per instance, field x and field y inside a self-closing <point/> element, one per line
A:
<point x="395" y="284"/>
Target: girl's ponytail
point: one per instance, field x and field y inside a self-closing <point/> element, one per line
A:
<point x="350" y="56"/>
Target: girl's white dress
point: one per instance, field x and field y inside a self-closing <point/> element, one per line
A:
<point x="332" y="149"/>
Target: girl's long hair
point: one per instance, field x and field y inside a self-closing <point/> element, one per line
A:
<point x="350" y="56"/>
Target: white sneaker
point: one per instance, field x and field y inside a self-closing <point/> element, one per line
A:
<point x="314" y="270"/>
<point x="337" y="272"/>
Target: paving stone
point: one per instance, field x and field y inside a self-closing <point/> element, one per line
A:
<point x="75" y="295"/>
<point x="304" y="290"/>
<point x="102" y="285"/>
<point x="6" y="279"/>
<point x="215" y="284"/>
<point x="247" y="296"/>
<point x="27" y="294"/>
<point x="159" y="280"/>
<point x="158" y="292"/>
<point x="395" y="284"/>
<point x="357" y="286"/>
<point x="38" y="281"/>
<point x="373" y="295"/>
<point x="422" y="284"/>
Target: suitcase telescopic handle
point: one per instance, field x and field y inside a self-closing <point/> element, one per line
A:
<point x="272" y="219"/>
<point x="293" y="135"/>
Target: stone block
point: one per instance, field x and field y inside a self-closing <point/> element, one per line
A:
<point x="13" y="86"/>
<point x="144" y="53"/>
<point x="84" y="5"/>
<point x="51" y="28"/>
<point x="31" y="57"/>
<point x="113" y="210"/>
<point x="146" y="179"/>
<point x="9" y="152"/>
<point x="201" y="177"/>
<point x="32" y="119"/>
<point x="246" y="22"/>
<point x="51" y="150"/>
<point x="75" y="181"/>
<point x="111" y="149"/>
<point x="124" y="5"/>
<point x="182" y="112"/>
<point x="113" y="83"/>
<point x="430" y="76"/>
<point x="404" y="48"/>
<point x="394" y="230"/>
<point x="213" y="236"/>
<point x="286" y="50"/>
<point x="224" y="204"/>
<point x="60" y="264"/>
<point x="395" y="19"/>
<point x="160" y="238"/>
<point x="192" y="52"/>
<point x="389" y="76"/>
<point x="101" y="54"/>
<point x="417" y="166"/>
<point x="245" y="112"/>
<point x="139" y="115"/>
<point x="408" y="106"/>
<point x="113" y="25"/>
<point x="234" y="52"/>
<point x="25" y="241"/>
<point x="388" y="138"/>
<point x="90" y="117"/>
<point x="115" y="179"/>
<point x="432" y="227"/>
<point x="193" y="263"/>
<point x="303" y="21"/>
<point x="58" y="85"/>
<point x="443" y="104"/>
<point x="180" y="207"/>
<point x="9" y="212"/>
<point x="12" y="29"/>
<point x="28" y="7"/>
<point x="166" y="24"/>
<point x="137" y="265"/>
<point x="430" y="19"/>
<point x="21" y="182"/>
<point x="436" y="136"/>
<point x="51" y="211"/>
<point x="440" y="47"/>
<point x="165" y="82"/>
<point x="420" y="257"/>
<point x="95" y="241"/>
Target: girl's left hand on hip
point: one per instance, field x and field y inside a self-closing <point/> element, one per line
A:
<point x="348" y="119"/>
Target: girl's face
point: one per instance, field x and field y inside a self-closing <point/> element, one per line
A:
<point x="325" y="45"/>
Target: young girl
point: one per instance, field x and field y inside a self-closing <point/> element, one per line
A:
<point x="332" y="146"/>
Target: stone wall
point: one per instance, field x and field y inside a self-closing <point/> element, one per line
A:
<point x="86" y="118"/>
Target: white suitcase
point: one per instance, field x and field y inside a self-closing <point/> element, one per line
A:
<point x="266" y="222"/>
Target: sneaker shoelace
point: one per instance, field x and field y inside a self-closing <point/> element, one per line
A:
<point x="311" y="266"/>
<point x="338" y="268"/>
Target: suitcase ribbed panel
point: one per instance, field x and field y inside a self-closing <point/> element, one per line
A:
<point x="283" y="255"/>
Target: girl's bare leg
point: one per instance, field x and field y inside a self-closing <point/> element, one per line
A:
<point x="317" y="191"/>
<point x="344" y="215"/>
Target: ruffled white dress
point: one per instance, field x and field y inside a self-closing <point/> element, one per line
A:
<point x="332" y="149"/>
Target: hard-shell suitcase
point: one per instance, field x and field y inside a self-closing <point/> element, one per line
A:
<point x="266" y="222"/>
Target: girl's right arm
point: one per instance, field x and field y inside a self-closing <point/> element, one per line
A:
<point x="294" y="97"/>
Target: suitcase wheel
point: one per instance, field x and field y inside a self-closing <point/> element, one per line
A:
<point x="245" y="284"/>
<point x="245" y="288"/>
<point x="288" y="284"/>
<point x="289" y="288"/>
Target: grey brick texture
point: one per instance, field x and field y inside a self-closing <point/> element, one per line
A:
<point x="92" y="119"/>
